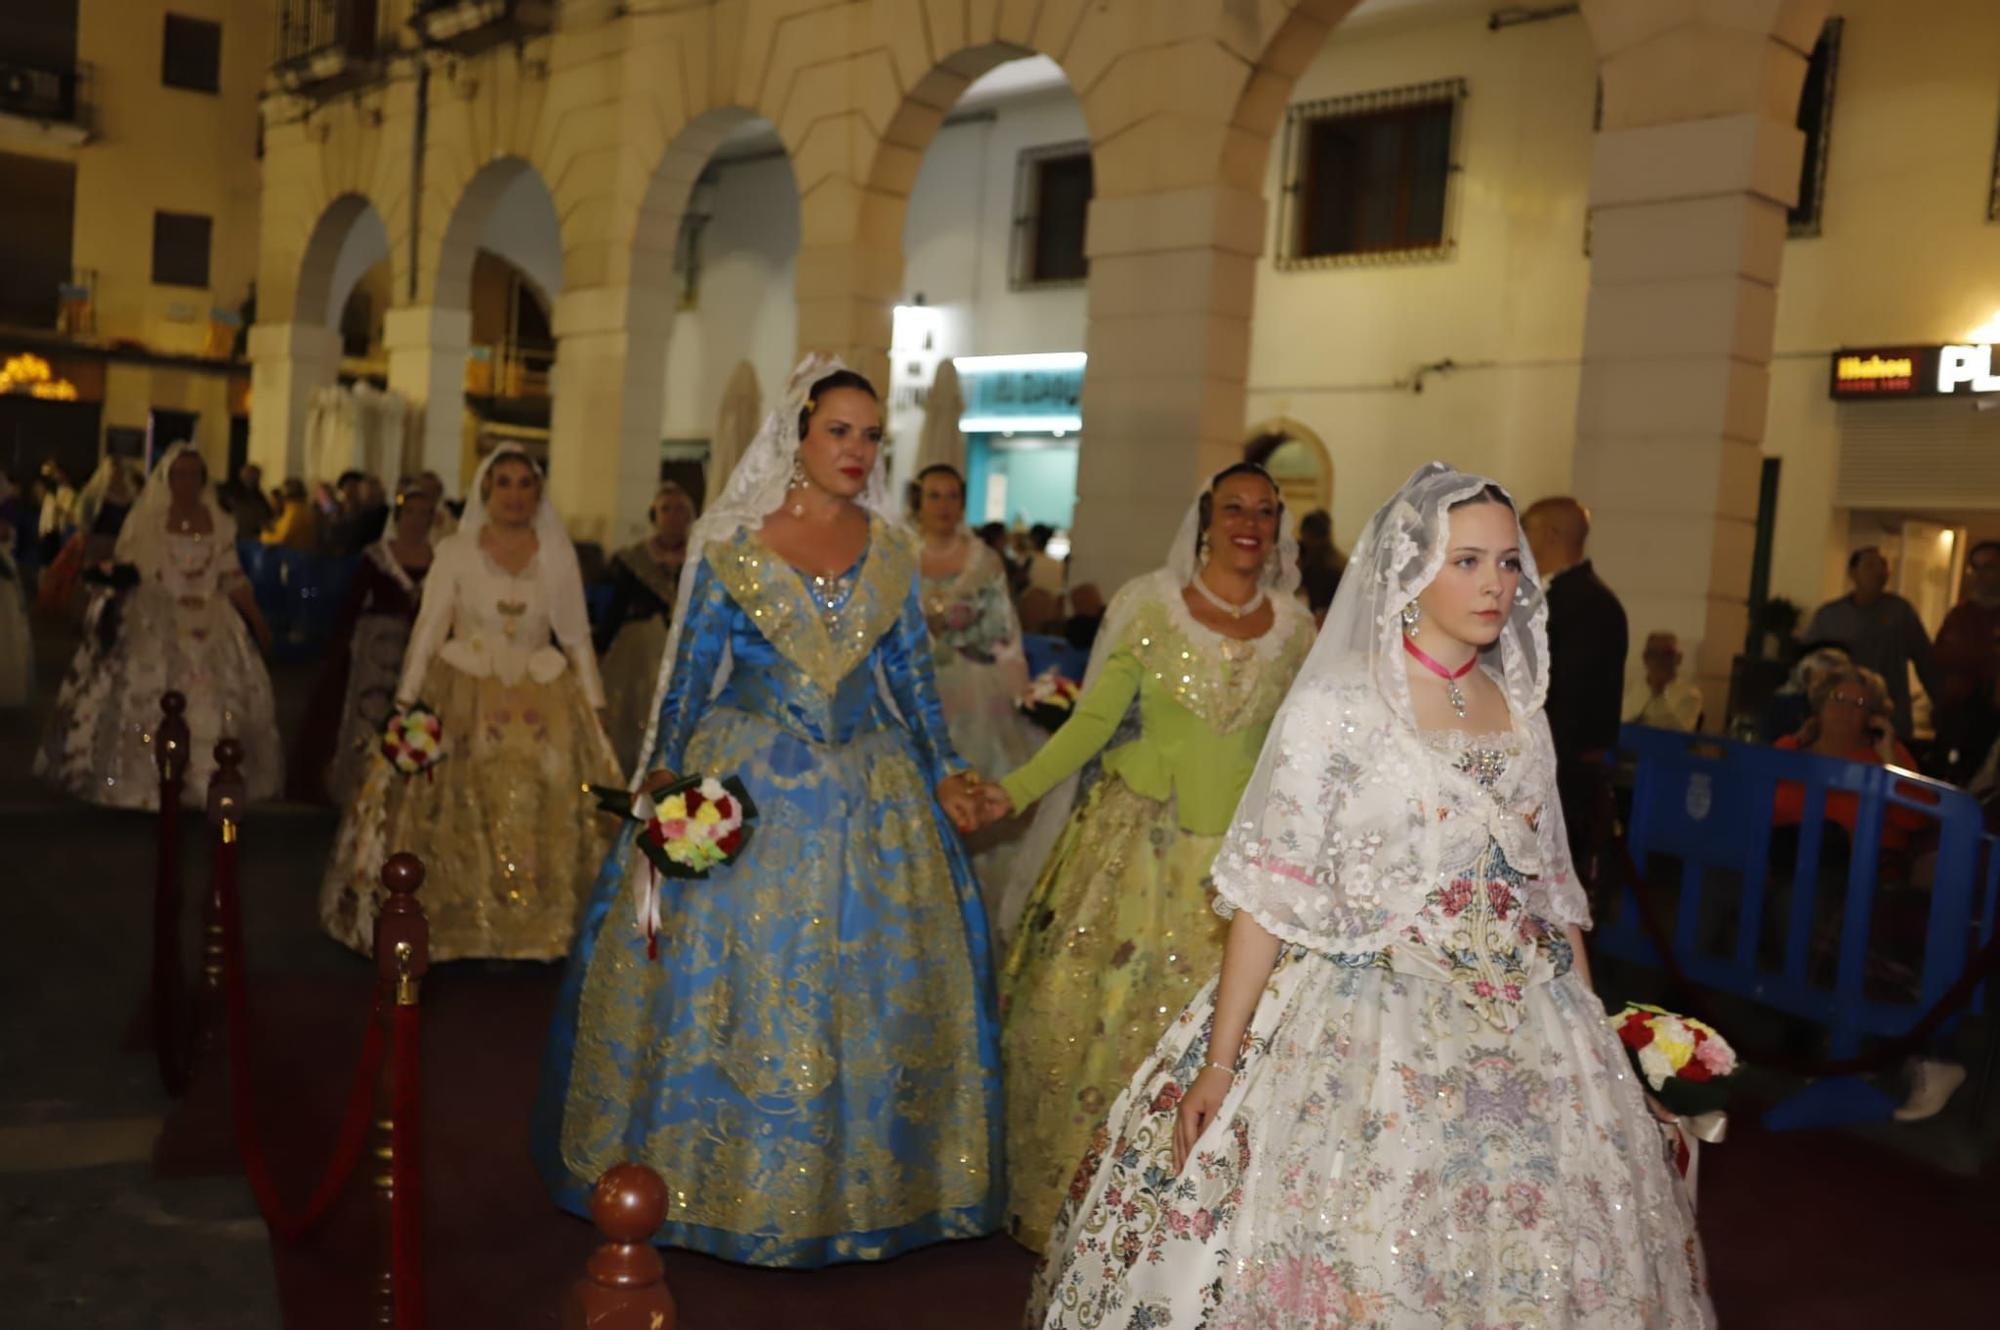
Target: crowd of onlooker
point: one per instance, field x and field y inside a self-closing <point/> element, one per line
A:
<point x="339" y="519"/>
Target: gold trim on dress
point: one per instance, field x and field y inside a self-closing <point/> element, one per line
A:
<point x="826" y="645"/>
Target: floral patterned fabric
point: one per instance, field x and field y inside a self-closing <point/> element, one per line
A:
<point x="506" y="836"/>
<point x="1439" y="1133"/>
<point x="981" y="675"/>
<point x="175" y="630"/>
<point x="1116" y="938"/>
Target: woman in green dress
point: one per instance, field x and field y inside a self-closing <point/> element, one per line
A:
<point x="1117" y="933"/>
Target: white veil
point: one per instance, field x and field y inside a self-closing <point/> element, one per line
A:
<point x="1399" y="554"/>
<point x="755" y="489"/>
<point x="1183" y="561"/>
<point x="142" y="541"/>
<point x="562" y="576"/>
<point x="112" y="470"/>
<point x="1300" y="858"/>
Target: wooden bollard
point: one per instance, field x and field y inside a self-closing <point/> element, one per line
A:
<point x="170" y="741"/>
<point x="402" y="957"/>
<point x="170" y="757"/>
<point x="624" y="1286"/>
<point x="227" y="793"/>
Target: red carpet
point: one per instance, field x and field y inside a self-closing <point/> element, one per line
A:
<point x="1809" y="1230"/>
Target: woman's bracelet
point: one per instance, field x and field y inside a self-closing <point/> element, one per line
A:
<point x="1222" y="1066"/>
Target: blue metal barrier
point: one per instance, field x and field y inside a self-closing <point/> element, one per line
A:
<point x="1708" y="803"/>
<point x="299" y="595"/>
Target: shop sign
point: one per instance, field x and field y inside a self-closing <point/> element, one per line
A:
<point x="1028" y="393"/>
<point x="1955" y="370"/>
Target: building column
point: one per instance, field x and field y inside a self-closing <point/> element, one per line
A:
<point x="427" y="347"/>
<point x="847" y="293"/>
<point x="289" y="362"/>
<point x="608" y="389"/>
<point x="1172" y="279"/>
<point x="1689" y="188"/>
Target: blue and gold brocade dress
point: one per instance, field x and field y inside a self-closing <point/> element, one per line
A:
<point x="813" y="1062"/>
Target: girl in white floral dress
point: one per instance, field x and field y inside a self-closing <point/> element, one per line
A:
<point x="1401" y="1105"/>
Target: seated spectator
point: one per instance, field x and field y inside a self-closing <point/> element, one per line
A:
<point x="1086" y="616"/>
<point x="1041" y="612"/>
<point x="297" y="524"/>
<point x="1791" y="706"/>
<point x="1850" y="721"/>
<point x="1660" y="697"/>
<point x="1045" y="571"/>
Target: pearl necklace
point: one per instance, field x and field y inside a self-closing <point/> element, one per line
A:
<point x="1229" y="608"/>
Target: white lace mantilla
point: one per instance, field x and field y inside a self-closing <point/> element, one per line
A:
<point x="1366" y="815"/>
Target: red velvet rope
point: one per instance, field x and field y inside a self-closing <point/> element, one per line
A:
<point x="353" y="1136"/>
<point x="169" y="984"/>
<point x="406" y="1229"/>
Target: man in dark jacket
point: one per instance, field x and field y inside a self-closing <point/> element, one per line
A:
<point x="1587" y="645"/>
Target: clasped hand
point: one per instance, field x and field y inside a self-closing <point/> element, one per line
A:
<point x="972" y="803"/>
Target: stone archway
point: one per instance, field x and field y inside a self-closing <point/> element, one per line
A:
<point x="294" y="358"/>
<point x="1297" y="458"/>
<point x="615" y="342"/>
<point x="502" y="248"/>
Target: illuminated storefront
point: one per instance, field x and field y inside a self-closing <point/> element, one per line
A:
<point x="1022" y="422"/>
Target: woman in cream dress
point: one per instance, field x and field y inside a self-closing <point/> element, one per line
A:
<point x="183" y="624"/>
<point x="501" y="652"/>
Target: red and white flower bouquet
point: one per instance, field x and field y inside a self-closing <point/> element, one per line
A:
<point x="687" y="830"/>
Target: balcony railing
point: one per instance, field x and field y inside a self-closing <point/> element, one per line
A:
<point x="51" y="94"/>
<point x="472" y="25"/>
<point x="512" y="370"/>
<point x="324" y="45"/>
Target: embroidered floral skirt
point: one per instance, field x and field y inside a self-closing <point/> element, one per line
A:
<point x="137" y="646"/>
<point x="508" y="838"/>
<point x="1116" y="938"/>
<point x="1387" y="1159"/>
<point x="812" y="1062"/>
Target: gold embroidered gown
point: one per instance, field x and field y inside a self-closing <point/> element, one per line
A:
<point x="812" y="1062"/>
<point x="1119" y="932"/>
<point x="507" y="837"/>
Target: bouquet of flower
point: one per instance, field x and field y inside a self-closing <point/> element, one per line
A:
<point x="413" y="740"/>
<point x="1049" y="700"/>
<point x="1685" y="1062"/>
<point x="693" y="826"/>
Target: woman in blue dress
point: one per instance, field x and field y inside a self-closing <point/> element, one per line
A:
<point x="812" y="1063"/>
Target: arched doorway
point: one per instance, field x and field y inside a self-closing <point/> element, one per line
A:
<point x="731" y="289"/>
<point x="484" y="357"/>
<point x="1297" y="459"/>
<point x="994" y="280"/>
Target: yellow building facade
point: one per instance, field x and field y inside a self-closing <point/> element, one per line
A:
<point x="93" y="98"/>
<point x="607" y="113"/>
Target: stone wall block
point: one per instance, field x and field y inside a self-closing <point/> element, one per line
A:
<point x="1197" y="344"/>
<point x="1696" y="159"/>
<point x="1177" y="219"/>
<point x="1177" y="281"/>
<point x="1731" y="316"/>
<point x="1711" y="236"/>
<point x="1690" y="395"/>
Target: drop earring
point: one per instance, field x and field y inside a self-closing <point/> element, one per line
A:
<point x="1410" y="617"/>
<point x="798" y="486"/>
